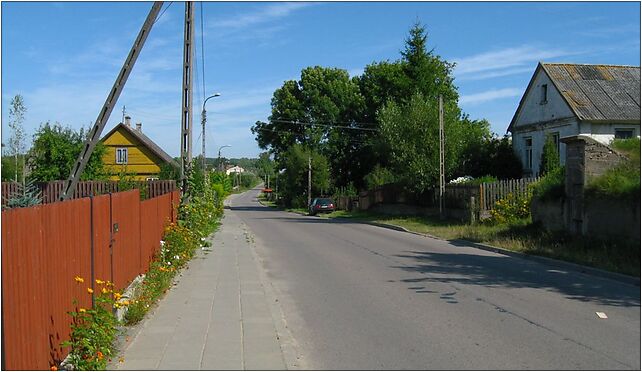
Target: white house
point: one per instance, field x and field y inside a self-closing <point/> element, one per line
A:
<point x="234" y="169"/>
<point x="561" y="100"/>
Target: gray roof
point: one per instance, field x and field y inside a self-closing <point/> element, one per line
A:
<point x="598" y="92"/>
<point x="146" y="141"/>
<point x="595" y="93"/>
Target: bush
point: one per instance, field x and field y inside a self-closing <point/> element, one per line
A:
<point x="622" y="181"/>
<point x="551" y="186"/>
<point x="511" y="209"/>
<point x="378" y="177"/>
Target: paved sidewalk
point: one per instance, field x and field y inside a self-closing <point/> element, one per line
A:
<point x="218" y="316"/>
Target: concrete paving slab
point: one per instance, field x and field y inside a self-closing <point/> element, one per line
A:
<point x="216" y="317"/>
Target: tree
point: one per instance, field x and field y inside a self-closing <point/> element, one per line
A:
<point x="17" y="111"/>
<point x="550" y="160"/>
<point x="412" y="132"/>
<point x="55" y="151"/>
<point x="295" y="176"/>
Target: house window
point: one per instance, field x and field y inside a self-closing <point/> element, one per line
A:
<point x="151" y="178"/>
<point x="528" y="153"/>
<point x="623" y="133"/>
<point x="121" y="155"/>
<point x="544" y="93"/>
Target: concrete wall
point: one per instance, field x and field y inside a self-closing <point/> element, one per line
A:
<point x="613" y="218"/>
<point x="605" y="133"/>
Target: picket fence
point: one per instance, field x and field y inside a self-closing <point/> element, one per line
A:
<point x="50" y="191"/>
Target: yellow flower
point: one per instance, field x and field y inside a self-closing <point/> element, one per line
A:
<point x="79" y="279"/>
<point x="117" y="296"/>
<point x="98" y="281"/>
<point x="89" y="290"/>
<point x="81" y="310"/>
<point x="104" y="290"/>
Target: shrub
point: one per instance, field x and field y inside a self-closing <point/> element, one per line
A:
<point x="551" y="186"/>
<point x="622" y="181"/>
<point x="512" y="208"/>
<point x="378" y="177"/>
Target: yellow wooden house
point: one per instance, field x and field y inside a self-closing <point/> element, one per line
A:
<point x="132" y="152"/>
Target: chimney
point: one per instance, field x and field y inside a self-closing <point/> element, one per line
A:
<point x="128" y="120"/>
<point x="139" y="127"/>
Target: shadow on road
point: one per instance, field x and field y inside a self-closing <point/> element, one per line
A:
<point x="508" y="272"/>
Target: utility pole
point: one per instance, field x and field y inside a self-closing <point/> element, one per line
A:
<point x="186" y="113"/>
<point x="442" y="176"/>
<point x="108" y="106"/>
<point x="309" y="179"/>
<point x="203" y="120"/>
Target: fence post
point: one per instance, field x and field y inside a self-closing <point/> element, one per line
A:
<point x="472" y="208"/>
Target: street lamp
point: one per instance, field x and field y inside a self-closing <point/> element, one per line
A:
<point x="203" y="119"/>
<point x="219" y="156"/>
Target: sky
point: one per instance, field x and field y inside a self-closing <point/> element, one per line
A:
<point x="63" y="57"/>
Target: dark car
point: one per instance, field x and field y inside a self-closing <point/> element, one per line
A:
<point x="321" y="205"/>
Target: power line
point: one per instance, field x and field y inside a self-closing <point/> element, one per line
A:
<point x="163" y="12"/>
<point x="322" y="122"/>
<point x="324" y="125"/>
<point x="356" y="141"/>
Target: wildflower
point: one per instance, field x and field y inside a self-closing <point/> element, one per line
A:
<point x="98" y="281"/>
<point x="53" y="368"/>
<point x="117" y="296"/>
<point x="104" y="290"/>
<point x="79" y="279"/>
<point x="162" y="243"/>
<point x="100" y="355"/>
<point x="121" y="360"/>
<point x="89" y="290"/>
<point x="81" y="310"/>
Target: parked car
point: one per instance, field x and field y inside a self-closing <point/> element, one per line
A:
<point x="321" y="205"/>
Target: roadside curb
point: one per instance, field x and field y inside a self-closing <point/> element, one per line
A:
<point x="546" y="260"/>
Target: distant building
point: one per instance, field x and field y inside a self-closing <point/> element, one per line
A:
<point x="129" y="150"/>
<point x="561" y="100"/>
<point x="234" y="169"/>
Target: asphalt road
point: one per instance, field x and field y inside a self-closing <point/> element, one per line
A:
<point x="357" y="296"/>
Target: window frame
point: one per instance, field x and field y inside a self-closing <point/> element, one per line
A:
<point x="544" y="94"/>
<point x="528" y="153"/>
<point x="122" y="155"/>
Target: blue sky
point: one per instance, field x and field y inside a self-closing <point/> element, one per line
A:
<point x="63" y="57"/>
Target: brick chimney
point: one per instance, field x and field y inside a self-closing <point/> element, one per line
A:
<point x="128" y="121"/>
<point x="139" y="127"/>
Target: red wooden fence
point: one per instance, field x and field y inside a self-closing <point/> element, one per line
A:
<point x="45" y="247"/>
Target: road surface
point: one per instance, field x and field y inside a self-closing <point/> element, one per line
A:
<point x="356" y="296"/>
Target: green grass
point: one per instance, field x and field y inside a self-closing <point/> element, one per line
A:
<point x="522" y="236"/>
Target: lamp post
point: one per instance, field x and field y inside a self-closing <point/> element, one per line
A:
<point x="203" y="119"/>
<point x="219" y="156"/>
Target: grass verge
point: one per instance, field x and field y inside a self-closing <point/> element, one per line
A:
<point x="521" y="236"/>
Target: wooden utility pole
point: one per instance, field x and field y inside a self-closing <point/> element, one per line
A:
<point x="442" y="176"/>
<point x="309" y="179"/>
<point x="186" y="112"/>
<point x="94" y="134"/>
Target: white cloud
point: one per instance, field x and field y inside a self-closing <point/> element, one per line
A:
<point x="505" y="61"/>
<point x="489" y="95"/>
<point x="266" y="14"/>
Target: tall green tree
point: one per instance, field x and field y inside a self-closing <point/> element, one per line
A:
<point x="17" y="111"/>
<point x="412" y="132"/>
<point x="55" y="151"/>
<point x="295" y="176"/>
